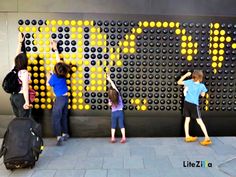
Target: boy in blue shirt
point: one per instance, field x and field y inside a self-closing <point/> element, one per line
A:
<point x="60" y="107"/>
<point x="193" y="89"/>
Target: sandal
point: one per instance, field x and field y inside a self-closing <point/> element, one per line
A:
<point x="191" y="139"/>
<point x="206" y="142"/>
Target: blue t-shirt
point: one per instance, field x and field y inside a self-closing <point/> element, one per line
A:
<point x="194" y="91"/>
<point x="58" y="84"/>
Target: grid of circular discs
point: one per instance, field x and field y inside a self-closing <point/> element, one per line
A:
<point x="144" y="58"/>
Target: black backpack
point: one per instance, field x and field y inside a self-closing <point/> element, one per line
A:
<point x="11" y="82"/>
<point x="22" y="143"/>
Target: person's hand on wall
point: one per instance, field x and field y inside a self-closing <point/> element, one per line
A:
<point x="54" y="45"/>
<point x="20" y="37"/>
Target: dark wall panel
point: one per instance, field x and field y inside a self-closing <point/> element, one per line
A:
<point x="154" y="43"/>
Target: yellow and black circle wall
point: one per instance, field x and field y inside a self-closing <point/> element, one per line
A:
<point x="144" y="56"/>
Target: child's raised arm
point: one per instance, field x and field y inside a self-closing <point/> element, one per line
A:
<point x="54" y="47"/>
<point x="180" y="81"/>
<point x="112" y="83"/>
<point x="19" y="43"/>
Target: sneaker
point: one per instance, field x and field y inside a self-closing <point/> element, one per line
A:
<point x="113" y="140"/>
<point x="65" y="137"/>
<point x="191" y="139"/>
<point x="59" y="141"/>
<point x="206" y="142"/>
<point x="123" y="140"/>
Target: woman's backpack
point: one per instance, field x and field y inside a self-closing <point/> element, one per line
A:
<point x="11" y="83"/>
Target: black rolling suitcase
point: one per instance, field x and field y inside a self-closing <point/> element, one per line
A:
<point x="22" y="143"/>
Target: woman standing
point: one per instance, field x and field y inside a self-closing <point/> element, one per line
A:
<point x="20" y="101"/>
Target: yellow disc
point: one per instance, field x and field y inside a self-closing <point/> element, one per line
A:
<point x="165" y="24"/>
<point x="222" y="45"/>
<point x="36" y="100"/>
<point x="220" y="65"/>
<point x="59" y="22"/>
<point x="125" y="50"/>
<point x="81" y="107"/>
<point x="215" y="45"/>
<point x="119" y="63"/>
<point x="74" y="106"/>
<point x="234" y="45"/>
<point x="132" y="37"/>
<point x="49" y="94"/>
<point x="216" y="32"/>
<point x="27" y="29"/>
<point x="29" y="68"/>
<point x="87" y="107"/>
<point x="221" y="52"/>
<point x="35" y="75"/>
<point x="184" y="38"/>
<point x="144" y="101"/>
<point x="214" y="64"/>
<point x="21" y="29"/>
<point x="222" y="39"/>
<point x="132" y="101"/>
<point x="214" y="58"/>
<point x="86" y="22"/>
<point x="183" y="31"/>
<point x="183" y="44"/>
<point x="132" y="50"/>
<point x="190" y="44"/>
<point x="172" y="24"/>
<point x="34" y="29"/>
<point x="140" y="23"/>
<point x="139" y="30"/>
<point x="221" y="58"/>
<point x="79" y="22"/>
<point x="190" y="51"/>
<point x="216" y="25"/>
<point x="137" y="101"/>
<point x="80" y="88"/>
<point x="36" y="106"/>
<point x="215" y="39"/>
<point x="158" y="24"/>
<point x="228" y="39"/>
<point x="143" y="108"/>
<point x="215" y="52"/>
<point x="222" y="32"/>
<point x="183" y="51"/>
<point x="125" y="43"/>
<point x="73" y="22"/>
<point x="189" y="58"/>
<point x="42" y="87"/>
<point x="42" y="81"/>
<point x="145" y="24"/>
<point x="66" y="22"/>
<point x="152" y="24"/>
<point x="177" y="31"/>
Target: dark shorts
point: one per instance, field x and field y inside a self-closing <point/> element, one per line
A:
<point x="191" y="110"/>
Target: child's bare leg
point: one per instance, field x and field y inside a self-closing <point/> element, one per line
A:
<point x="113" y="133"/>
<point x="186" y="127"/>
<point x="123" y="132"/>
<point x="203" y="127"/>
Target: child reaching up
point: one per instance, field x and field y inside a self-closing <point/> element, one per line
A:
<point x="193" y="89"/>
<point x="60" y="107"/>
<point x="115" y="101"/>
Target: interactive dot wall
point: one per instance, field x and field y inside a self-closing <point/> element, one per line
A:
<point x="144" y="58"/>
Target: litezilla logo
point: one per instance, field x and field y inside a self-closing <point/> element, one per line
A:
<point x="202" y="164"/>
